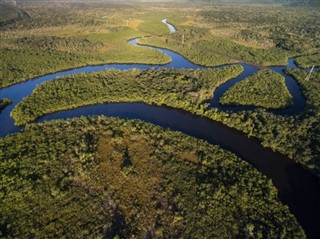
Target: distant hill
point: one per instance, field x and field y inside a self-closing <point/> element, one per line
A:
<point x="11" y="2"/>
<point x="304" y="2"/>
<point x="286" y="2"/>
<point x="9" y="12"/>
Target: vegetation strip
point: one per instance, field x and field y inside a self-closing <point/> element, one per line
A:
<point x="184" y="89"/>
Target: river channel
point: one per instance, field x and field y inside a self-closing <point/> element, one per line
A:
<point x="297" y="187"/>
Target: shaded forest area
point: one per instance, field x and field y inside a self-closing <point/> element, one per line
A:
<point x="104" y="177"/>
<point x="294" y="136"/>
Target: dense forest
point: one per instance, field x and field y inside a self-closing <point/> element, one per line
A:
<point x="103" y="177"/>
<point x="295" y="136"/>
<point x="98" y="177"/>
<point x="185" y="89"/>
<point x="266" y="89"/>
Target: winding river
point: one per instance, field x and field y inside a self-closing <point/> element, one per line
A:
<point x="297" y="187"/>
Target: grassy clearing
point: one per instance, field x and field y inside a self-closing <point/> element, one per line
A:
<point x="293" y="29"/>
<point x="202" y="48"/>
<point x="265" y="89"/>
<point x="151" y="24"/>
<point x="62" y="36"/>
<point x="213" y="35"/>
<point x="21" y="64"/>
<point x="260" y="34"/>
<point x="104" y="177"/>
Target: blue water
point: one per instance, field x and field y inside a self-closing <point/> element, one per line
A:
<point x="17" y="92"/>
<point x="297" y="187"/>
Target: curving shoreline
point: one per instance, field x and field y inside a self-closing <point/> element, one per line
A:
<point x="297" y="187"/>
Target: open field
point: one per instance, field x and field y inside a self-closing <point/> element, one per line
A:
<point x="63" y="36"/>
<point x="258" y="34"/>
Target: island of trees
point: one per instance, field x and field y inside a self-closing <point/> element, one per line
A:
<point x="266" y="89"/>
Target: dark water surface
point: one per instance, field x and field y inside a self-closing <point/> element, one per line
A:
<point x="298" y="188"/>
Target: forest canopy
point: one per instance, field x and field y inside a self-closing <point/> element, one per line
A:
<point x="111" y="178"/>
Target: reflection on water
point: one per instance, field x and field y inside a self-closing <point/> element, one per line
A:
<point x="297" y="187"/>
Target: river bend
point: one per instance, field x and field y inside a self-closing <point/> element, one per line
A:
<point x="297" y="187"/>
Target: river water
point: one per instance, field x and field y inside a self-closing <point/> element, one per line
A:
<point x="297" y="187"/>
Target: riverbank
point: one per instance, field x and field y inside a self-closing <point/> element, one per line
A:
<point x="83" y="173"/>
<point x="303" y="215"/>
